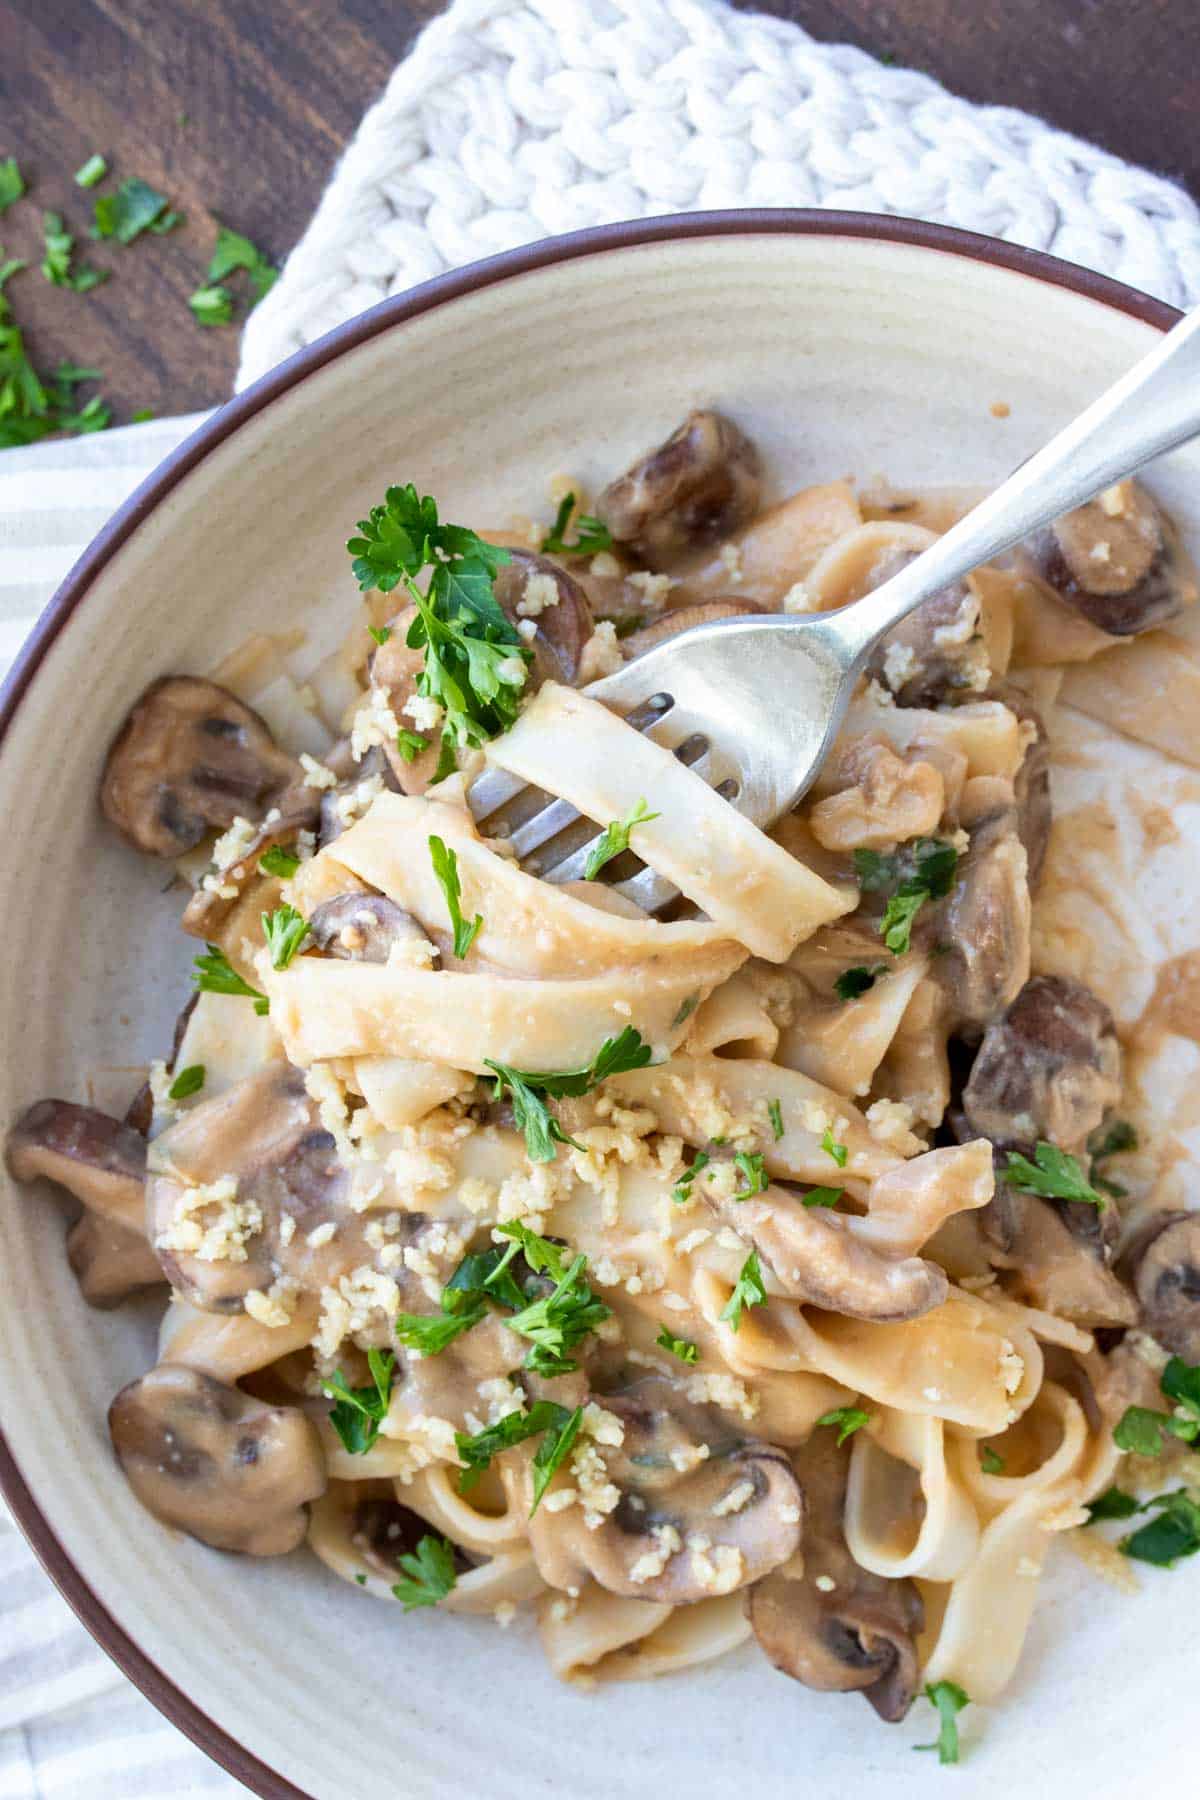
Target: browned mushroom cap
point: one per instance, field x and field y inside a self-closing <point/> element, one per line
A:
<point x="103" y="1163"/>
<point x="703" y="612"/>
<point x="981" y="930"/>
<point x="1163" y="1262"/>
<point x="1057" y="1254"/>
<point x="1117" y="561"/>
<point x="816" y="1258"/>
<point x="701" y="484"/>
<point x="1050" y="1068"/>
<point x="216" y="1463"/>
<point x="363" y="927"/>
<point x="938" y="649"/>
<point x="701" y="1512"/>
<point x="856" y="1632"/>
<point x="192" y="758"/>
<point x="533" y="587"/>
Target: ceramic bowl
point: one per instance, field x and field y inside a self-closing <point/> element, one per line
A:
<point x="843" y="344"/>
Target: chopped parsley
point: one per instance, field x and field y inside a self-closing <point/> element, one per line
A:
<point x="381" y="633"/>
<point x="1140" y="1429"/>
<point x="839" y="1152"/>
<point x="359" y="1412"/>
<point x="990" y="1461"/>
<point x="1113" y="1503"/>
<point x="215" y="974"/>
<point x="924" y="873"/>
<point x="212" y="305"/>
<point x="1113" y="1140"/>
<point x="445" y="867"/>
<point x="775" y="1114"/>
<point x="852" y="983"/>
<point x="847" y="1420"/>
<point x="280" y="862"/>
<point x="750" y="1165"/>
<point x="410" y="744"/>
<point x="1172" y="1535"/>
<point x="431" y="1333"/>
<point x="615" y="838"/>
<point x="681" y="1193"/>
<point x="823" y="1196"/>
<point x="561" y="1428"/>
<point x="285" y="930"/>
<point x="592" y="535"/>
<point x="558" y="1321"/>
<point x="56" y="264"/>
<point x="12" y="182"/>
<point x="428" y="1573"/>
<point x="476" y="663"/>
<point x="93" y="170"/>
<point x="948" y="1699"/>
<point x="235" y="252"/>
<point x="1053" y="1173"/>
<point x="542" y="1130"/>
<point x="33" y="405"/>
<point x="683" y="1348"/>
<point x="134" y="207"/>
<point x="189" y="1081"/>
<point x="748" y="1290"/>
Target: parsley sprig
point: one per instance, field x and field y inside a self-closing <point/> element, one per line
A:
<point x="359" y="1412"/>
<point x="428" y="1573"/>
<point x="475" y="661"/>
<point x="748" y="1290"/>
<point x="614" y="839"/>
<point x="924" y="873"/>
<point x="526" y="1088"/>
<point x="285" y="930"/>
<point x="445" y="867"/>
<point x="846" y="1420"/>
<point x="215" y="974"/>
<point x="1140" y="1429"/>
<point x="948" y="1699"/>
<point x="592" y="535"/>
<point x="1054" y="1174"/>
<point x="33" y="405"/>
<point x="559" y="1425"/>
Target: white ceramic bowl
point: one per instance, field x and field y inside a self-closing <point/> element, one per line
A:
<point x="843" y="343"/>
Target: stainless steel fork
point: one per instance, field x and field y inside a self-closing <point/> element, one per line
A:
<point x="754" y="704"/>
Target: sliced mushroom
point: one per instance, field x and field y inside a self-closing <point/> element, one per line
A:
<point x="1056" y="1256"/>
<point x="670" y="624"/>
<point x="1163" y="1262"/>
<point x="701" y="484"/>
<point x="817" y="1258"/>
<point x="938" y="650"/>
<point x="1117" y="560"/>
<point x="533" y="587"/>
<point x="191" y="758"/>
<point x="1050" y="1068"/>
<point x="1031" y="787"/>
<point x="103" y="1163"/>
<point x="701" y="1512"/>
<point x="336" y="815"/>
<point x="217" y="1463"/>
<point x="366" y="928"/>
<point x="981" y="930"/>
<point x="829" y="1623"/>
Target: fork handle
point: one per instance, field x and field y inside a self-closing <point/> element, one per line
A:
<point x="1151" y="409"/>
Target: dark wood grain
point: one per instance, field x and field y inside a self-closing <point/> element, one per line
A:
<point x="238" y="110"/>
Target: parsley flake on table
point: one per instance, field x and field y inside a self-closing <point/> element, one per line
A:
<point x="614" y="839"/>
<point x="445" y="867"/>
<point x="428" y="1573"/>
<point x="56" y="264"/>
<point x="132" y="208"/>
<point x="592" y="534"/>
<point x="846" y="1420"/>
<point x="924" y="873"/>
<point x="12" y="182"/>
<point x="683" y="1348"/>
<point x="93" y="170"/>
<point x="359" y="1412"/>
<point x="212" y="305"/>
<point x="235" y="252"/>
<point x="526" y="1087"/>
<point x="33" y="405"/>
<point x="285" y="930"/>
<point x="215" y="974"/>
<point x="948" y="1699"/>
<point x="476" y="663"/>
<point x="839" y="1152"/>
<point x="748" y="1290"/>
<point x="1053" y="1173"/>
<point x="278" y="861"/>
<point x="189" y="1081"/>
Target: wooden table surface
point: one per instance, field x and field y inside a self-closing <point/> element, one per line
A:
<point x="238" y="109"/>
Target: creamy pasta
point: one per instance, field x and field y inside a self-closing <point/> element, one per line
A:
<point x="753" y="1269"/>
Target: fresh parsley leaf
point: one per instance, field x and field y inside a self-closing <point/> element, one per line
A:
<point x="852" y="983"/>
<point x="1054" y="1174"/>
<point x="278" y="861"/>
<point x="431" y="1333"/>
<point x="616" y="1056"/>
<point x="823" y="1196"/>
<point x="615" y="838"/>
<point x="681" y="1193"/>
<point x="483" y="1275"/>
<point x="932" y="864"/>
<point x="752" y="1166"/>
<point x="592" y="535"/>
<point x="234" y="252"/>
<point x="683" y="1348"/>
<point x="132" y="209"/>
<point x="1181" y="1381"/>
<point x="410" y="744"/>
<point x="847" y="1420"/>
<point x="543" y="1256"/>
<point x="775" y="1114"/>
<point x="895" y="928"/>
<point x="949" y="1699"/>
<point x="189" y="1081"/>
<point x="1112" y="1140"/>
<point x="56" y="264"/>
<point x="874" y="870"/>
<point x="748" y="1291"/>
<point x="839" y="1152"/>
<point x="428" y="1573"/>
<point x="533" y="1117"/>
<point x="1140" y="1430"/>
<point x="381" y="633"/>
<point x="359" y="1412"/>
<point x="552" y="1452"/>
<point x="559" y="1321"/>
<point x="1174" y="1534"/>
<point x="989" y="1461"/>
<point x="215" y="974"/>
<point x="93" y="170"/>
<point x="542" y="1130"/>
<point x="211" y="305"/>
<point x="477" y="1452"/>
<point x="1112" y="1504"/>
<point x="445" y="867"/>
<point x="285" y="930"/>
<point x="12" y="182"/>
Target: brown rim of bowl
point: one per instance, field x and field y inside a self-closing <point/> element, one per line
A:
<point x="157" y="1686"/>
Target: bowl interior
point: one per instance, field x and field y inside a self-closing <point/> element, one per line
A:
<point x="839" y="355"/>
